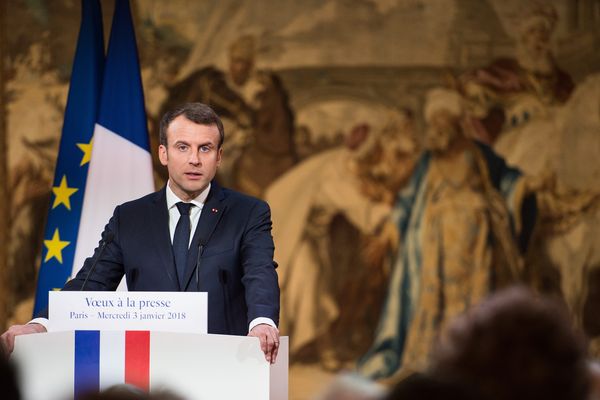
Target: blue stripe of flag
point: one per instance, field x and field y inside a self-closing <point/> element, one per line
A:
<point x="87" y="363"/>
<point x="122" y="107"/>
<point x="78" y="128"/>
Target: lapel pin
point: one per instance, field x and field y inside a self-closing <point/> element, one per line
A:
<point x="215" y="210"/>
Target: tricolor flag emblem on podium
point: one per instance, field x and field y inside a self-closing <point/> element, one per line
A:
<point x="67" y="364"/>
<point x="104" y="359"/>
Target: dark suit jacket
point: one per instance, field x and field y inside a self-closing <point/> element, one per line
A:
<point x="236" y="265"/>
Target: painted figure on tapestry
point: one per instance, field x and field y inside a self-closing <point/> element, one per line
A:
<point x="461" y="236"/>
<point x="322" y="210"/>
<point x="257" y="117"/>
<point x="530" y="111"/>
<point x="513" y="91"/>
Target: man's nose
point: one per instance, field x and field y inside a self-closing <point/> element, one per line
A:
<point x="195" y="158"/>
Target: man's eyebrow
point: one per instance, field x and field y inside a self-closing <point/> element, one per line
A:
<point x="210" y="144"/>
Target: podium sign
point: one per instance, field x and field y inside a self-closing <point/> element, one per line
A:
<point x="153" y="340"/>
<point x="184" y="312"/>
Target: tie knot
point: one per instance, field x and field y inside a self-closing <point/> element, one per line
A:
<point x="184" y="208"/>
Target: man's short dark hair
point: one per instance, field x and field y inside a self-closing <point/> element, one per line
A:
<point x="198" y="113"/>
<point x="515" y="345"/>
<point x="431" y="387"/>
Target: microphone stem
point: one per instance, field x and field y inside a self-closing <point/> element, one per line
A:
<point x="109" y="237"/>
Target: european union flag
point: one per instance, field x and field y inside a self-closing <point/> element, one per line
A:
<point x="74" y="154"/>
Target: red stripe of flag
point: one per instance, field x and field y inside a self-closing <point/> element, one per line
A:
<point x="137" y="359"/>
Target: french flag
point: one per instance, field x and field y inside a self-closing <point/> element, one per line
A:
<point x="121" y="166"/>
<point x="103" y="359"/>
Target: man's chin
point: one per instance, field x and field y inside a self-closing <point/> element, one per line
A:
<point x="196" y="188"/>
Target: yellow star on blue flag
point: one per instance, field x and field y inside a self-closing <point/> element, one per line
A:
<point x="87" y="152"/>
<point x="55" y="247"/>
<point x="63" y="193"/>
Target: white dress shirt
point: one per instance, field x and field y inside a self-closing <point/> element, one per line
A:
<point x="195" y="211"/>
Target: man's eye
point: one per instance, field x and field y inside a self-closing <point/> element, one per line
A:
<point x="204" y="149"/>
<point x="182" y="147"/>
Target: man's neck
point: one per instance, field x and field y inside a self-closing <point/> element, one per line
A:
<point x="199" y="196"/>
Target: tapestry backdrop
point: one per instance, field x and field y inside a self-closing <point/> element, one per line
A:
<point x="339" y="114"/>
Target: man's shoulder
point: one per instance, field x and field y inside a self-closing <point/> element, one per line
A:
<point x="234" y="195"/>
<point x="235" y="198"/>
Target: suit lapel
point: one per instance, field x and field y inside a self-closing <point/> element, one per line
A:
<point x="211" y="214"/>
<point x="161" y="235"/>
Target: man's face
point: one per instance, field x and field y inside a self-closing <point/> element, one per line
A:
<point x="239" y="69"/>
<point x="443" y="128"/>
<point x="192" y="156"/>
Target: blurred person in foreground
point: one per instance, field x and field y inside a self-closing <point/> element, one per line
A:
<point x="9" y="388"/>
<point x="347" y="386"/>
<point x="515" y="345"/>
<point x="130" y="392"/>
<point x="594" y="368"/>
<point x="429" y="387"/>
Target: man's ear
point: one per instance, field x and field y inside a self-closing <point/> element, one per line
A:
<point x="162" y="155"/>
<point x="219" y="155"/>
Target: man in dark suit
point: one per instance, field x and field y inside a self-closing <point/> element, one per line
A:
<point x="192" y="235"/>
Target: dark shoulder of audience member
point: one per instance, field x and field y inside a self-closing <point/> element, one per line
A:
<point x="9" y="388"/>
<point x="423" y="386"/>
<point x="129" y="392"/>
<point x="515" y="345"/>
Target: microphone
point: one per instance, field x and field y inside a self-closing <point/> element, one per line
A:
<point x="198" y="263"/>
<point x="131" y="281"/>
<point x="108" y="238"/>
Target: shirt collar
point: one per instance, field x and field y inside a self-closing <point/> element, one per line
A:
<point x="198" y="201"/>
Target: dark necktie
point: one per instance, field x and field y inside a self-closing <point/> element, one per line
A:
<point x="181" y="240"/>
